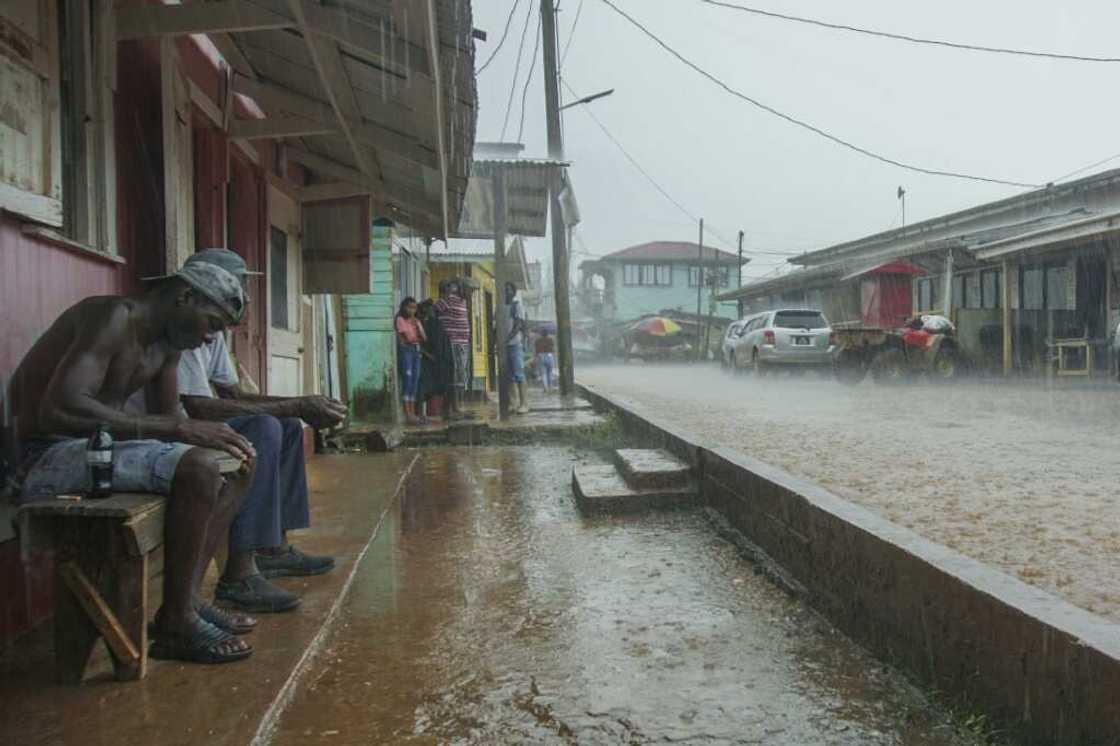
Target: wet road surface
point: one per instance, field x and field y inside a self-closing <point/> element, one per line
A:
<point x="488" y="611"/>
<point x="1019" y="475"/>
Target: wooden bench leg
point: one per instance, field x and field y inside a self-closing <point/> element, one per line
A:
<point x="130" y="604"/>
<point x="126" y="657"/>
<point x="74" y="633"/>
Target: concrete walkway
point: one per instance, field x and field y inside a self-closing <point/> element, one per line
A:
<point x="192" y="704"/>
<point x="488" y="611"/>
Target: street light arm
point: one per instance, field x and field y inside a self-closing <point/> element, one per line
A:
<point x="587" y="99"/>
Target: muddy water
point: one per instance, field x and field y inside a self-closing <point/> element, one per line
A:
<point x="488" y="611"/>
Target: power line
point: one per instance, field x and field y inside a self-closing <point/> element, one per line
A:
<point x="516" y="70"/>
<point x="505" y="33"/>
<point x="803" y="124"/>
<point x="911" y="39"/>
<point x="633" y="161"/>
<point x="571" y="34"/>
<point x="529" y="79"/>
<point x="1085" y="168"/>
<point x="638" y="166"/>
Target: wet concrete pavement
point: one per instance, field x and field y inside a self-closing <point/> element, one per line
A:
<point x="489" y="611"/>
<point x="191" y="704"/>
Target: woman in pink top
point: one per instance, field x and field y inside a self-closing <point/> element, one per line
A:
<point x="410" y="335"/>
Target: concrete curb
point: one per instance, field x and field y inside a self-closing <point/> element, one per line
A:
<point x="1045" y="667"/>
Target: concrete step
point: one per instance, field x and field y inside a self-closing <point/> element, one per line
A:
<point x="601" y="488"/>
<point x="649" y="468"/>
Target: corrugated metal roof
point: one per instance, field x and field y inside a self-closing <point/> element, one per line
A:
<point x="379" y="99"/>
<point x="1100" y="187"/>
<point x="527" y="183"/>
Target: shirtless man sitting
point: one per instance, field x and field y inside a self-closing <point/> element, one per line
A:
<point x="80" y="373"/>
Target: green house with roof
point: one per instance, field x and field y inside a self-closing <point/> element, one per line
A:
<point x="657" y="276"/>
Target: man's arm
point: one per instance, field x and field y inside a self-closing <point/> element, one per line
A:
<point x="70" y="405"/>
<point x="318" y="411"/>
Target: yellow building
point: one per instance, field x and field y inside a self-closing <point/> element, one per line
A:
<point x="477" y="275"/>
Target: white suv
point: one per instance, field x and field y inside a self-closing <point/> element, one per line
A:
<point x="788" y="337"/>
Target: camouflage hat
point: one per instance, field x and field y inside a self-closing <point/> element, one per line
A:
<point x="217" y="286"/>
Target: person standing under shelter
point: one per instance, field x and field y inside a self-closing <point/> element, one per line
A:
<point x="451" y="309"/>
<point x="515" y="345"/>
<point x="410" y="337"/>
<point x="436" y="370"/>
<point x="545" y="349"/>
<point x="210" y="389"/>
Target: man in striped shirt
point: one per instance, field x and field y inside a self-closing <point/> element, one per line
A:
<point x="451" y="309"/>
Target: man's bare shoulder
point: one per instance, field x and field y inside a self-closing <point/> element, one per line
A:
<point x="108" y="313"/>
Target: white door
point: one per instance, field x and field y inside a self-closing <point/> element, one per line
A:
<point x="285" y="269"/>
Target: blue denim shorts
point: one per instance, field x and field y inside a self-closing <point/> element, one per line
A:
<point x="516" y="354"/>
<point x="138" y="466"/>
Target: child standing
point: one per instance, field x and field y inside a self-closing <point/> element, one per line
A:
<point x="410" y="335"/>
<point x="546" y="358"/>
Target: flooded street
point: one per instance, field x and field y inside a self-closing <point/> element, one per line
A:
<point x="1018" y="475"/>
<point x="489" y="611"/>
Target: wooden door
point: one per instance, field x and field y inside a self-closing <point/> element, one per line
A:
<point x="247" y="219"/>
<point x="178" y="161"/>
<point x="285" y="267"/>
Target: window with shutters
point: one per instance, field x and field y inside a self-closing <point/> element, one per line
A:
<point x="57" y="155"/>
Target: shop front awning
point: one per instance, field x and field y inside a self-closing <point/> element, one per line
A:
<point x="1078" y="229"/>
<point x="374" y="99"/>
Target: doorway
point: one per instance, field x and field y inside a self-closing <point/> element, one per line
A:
<point x="285" y="341"/>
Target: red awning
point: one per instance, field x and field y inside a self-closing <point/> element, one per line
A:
<point x="895" y="267"/>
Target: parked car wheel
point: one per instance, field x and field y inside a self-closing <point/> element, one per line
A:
<point x="851" y="367"/>
<point x="889" y="366"/>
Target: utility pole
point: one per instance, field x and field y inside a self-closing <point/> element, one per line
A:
<point x="561" y="267"/>
<point x="740" y="259"/>
<point x="699" y="286"/>
<point x="501" y="272"/>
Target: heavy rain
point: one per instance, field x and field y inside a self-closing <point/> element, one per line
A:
<point x="559" y="371"/>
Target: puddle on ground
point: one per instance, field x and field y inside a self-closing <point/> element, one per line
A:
<point x="488" y="611"/>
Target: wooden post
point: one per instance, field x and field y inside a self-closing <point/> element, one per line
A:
<point x="501" y="276"/>
<point x="699" y="287"/>
<point x="740" y="259"/>
<point x="1005" y="305"/>
<point x="560" y="259"/>
<point x="948" y="284"/>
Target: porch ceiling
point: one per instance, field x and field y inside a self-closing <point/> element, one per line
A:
<point x="371" y="94"/>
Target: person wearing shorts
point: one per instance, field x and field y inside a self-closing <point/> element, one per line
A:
<point x="78" y="376"/>
<point x="515" y="346"/>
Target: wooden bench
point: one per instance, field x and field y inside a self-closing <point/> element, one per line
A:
<point x="102" y="551"/>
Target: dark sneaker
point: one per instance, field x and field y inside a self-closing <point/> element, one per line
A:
<point x="256" y="594"/>
<point x="292" y="563"/>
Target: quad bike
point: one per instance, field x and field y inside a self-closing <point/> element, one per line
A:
<point x="897" y="355"/>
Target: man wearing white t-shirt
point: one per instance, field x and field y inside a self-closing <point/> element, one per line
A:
<point x="277" y="501"/>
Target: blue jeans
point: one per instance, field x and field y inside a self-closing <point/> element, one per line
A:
<point x="547" y="362"/>
<point x="410" y="371"/>
<point x="277" y="500"/>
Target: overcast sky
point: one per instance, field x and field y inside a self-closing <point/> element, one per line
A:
<point x="1007" y="117"/>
